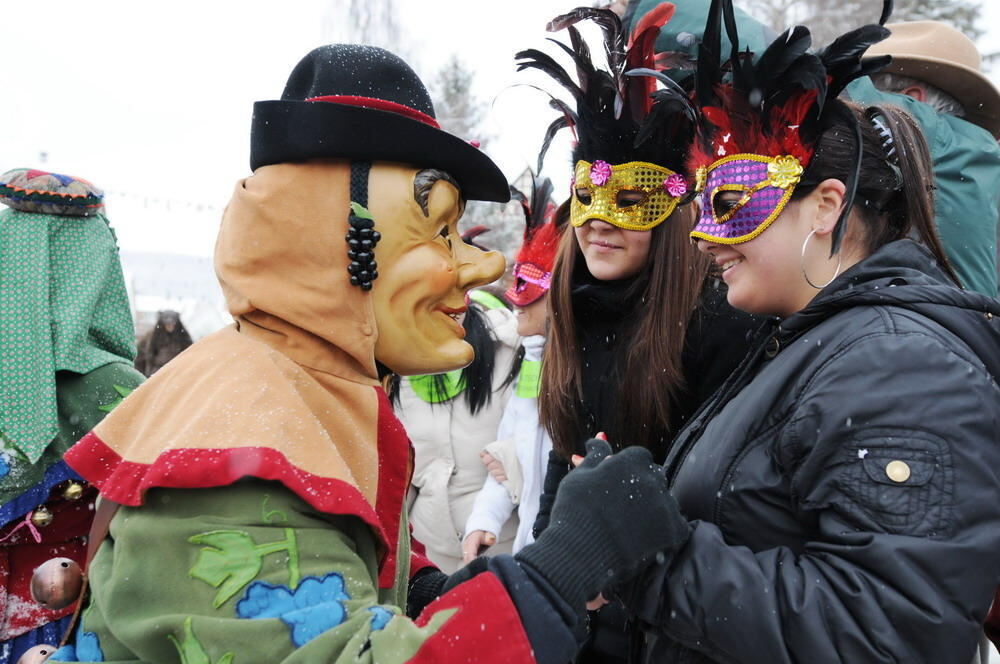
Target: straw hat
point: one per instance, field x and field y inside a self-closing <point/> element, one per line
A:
<point x="945" y="58"/>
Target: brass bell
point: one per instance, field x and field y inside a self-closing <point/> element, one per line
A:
<point x="37" y="655"/>
<point x="73" y="491"/>
<point x="41" y="517"/>
<point x="57" y="583"/>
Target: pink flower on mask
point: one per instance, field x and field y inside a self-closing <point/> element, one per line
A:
<point x="676" y="185"/>
<point x="600" y="172"/>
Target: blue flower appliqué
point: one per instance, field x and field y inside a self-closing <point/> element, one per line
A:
<point x="87" y="649"/>
<point x="315" y="606"/>
<point x="380" y="617"/>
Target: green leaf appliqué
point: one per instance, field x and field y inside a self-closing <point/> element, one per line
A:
<point x="231" y="560"/>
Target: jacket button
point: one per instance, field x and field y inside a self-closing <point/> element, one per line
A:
<point x="773" y="346"/>
<point x="897" y="471"/>
<point x="989" y="315"/>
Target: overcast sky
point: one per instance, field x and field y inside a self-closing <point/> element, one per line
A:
<point x="152" y="101"/>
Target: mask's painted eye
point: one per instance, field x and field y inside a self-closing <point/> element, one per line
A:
<point x="583" y="195"/>
<point x="725" y="201"/>
<point x="519" y="285"/>
<point x="628" y="198"/>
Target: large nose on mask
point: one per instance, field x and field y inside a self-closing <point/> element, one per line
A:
<point x="477" y="267"/>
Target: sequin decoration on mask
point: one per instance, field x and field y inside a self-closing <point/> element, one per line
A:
<point x="765" y="185"/>
<point x="634" y="196"/>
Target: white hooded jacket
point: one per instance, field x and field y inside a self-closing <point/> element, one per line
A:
<point x="519" y="428"/>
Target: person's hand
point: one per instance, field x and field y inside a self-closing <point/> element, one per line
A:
<point x="494" y="466"/>
<point x="475" y="543"/>
<point x="576" y="459"/>
<point x="596" y="603"/>
<point x="612" y="515"/>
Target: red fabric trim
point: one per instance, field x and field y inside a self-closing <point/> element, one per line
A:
<point x="126" y="482"/>
<point x="486" y="628"/>
<point x="379" y="105"/>
<point x="393" y="480"/>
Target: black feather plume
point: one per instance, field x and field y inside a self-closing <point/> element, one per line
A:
<point x="843" y="57"/>
<point x="616" y="119"/>
<point x="541" y="196"/>
<point x="887" y="6"/>
<point x="534" y="59"/>
<point x="550" y="133"/>
<point x="709" y="71"/>
<point x="614" y="36"/>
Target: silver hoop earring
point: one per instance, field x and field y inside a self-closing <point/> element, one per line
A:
<point x="802" y="264"/>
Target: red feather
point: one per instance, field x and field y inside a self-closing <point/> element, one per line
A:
<point x="788" y="119"/>
<point x="655" y="18"/>
<point x="739" y="129"/>
<point x="641" y="53"/>
<point x="541" y="244"/>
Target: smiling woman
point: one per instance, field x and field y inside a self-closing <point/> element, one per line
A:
<point x="840" y="486"/>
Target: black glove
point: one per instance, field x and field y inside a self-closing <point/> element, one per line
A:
<point x="429" y="583"/>
<point x="556" y="469"/>
<point x="609" y="520"/>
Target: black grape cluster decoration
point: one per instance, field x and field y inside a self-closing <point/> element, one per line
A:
<point x="361" y="236"/>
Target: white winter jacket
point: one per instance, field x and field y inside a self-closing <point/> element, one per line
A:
<point x="495" y="503"/>
<point x="447" y="440"/>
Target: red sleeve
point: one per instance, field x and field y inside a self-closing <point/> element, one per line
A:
<point x="486" y="627"/>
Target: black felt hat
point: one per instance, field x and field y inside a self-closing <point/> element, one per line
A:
<point x="364" y="103"/>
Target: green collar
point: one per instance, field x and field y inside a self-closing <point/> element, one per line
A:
<point x="423" y="387"/>
<point x="529" y="379"/>
<point x="487" y="300"/>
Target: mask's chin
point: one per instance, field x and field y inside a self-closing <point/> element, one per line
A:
<point x="456" y="354"/>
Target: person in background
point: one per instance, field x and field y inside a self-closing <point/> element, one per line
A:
<point x="965" y="156"/>
<point x="640" y="331"/>
<point x="840" y="488"/>
<point x="68" y="345"/>
<point x="164" y="342"/>
<point x="450" y="419"/>
<point x="939" y="70"/>
<point x="522" y="447"/>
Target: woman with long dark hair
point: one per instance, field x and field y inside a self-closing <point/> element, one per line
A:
<point x="640" y="331"/>
<point x="840" y="488"/>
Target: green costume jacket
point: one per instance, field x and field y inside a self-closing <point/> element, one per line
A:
<point x="252" y="573"/>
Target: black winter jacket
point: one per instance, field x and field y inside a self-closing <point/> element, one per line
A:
<point x="717" y="340"/>
<point x="843" y="486"/>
